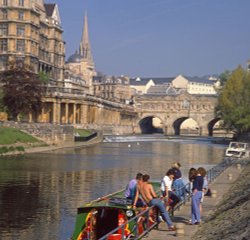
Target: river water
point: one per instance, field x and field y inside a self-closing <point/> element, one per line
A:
<point x="40" y="193"/>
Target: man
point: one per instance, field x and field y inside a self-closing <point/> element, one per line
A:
<point x="130" y="191"/>
<point x="145" y="189"/>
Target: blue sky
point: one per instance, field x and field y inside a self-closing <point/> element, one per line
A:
<point x="160" y="38"/>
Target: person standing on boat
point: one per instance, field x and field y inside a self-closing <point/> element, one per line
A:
<point x="130" y="190"/>
<point x="145" y="189"/>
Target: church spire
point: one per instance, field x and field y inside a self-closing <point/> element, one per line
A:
<point x="85" y="50"/>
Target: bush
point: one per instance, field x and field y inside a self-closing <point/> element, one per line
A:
<point x="20" y="148"/>
<point x="12" y="149"/>
<point x="3" y="150"/>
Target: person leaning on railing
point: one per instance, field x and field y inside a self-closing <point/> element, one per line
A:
<point x="145" y="189"/>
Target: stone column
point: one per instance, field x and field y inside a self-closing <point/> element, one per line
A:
<point x="56" y="112"/>
<point x="66" y="113"/>
<point x="204" y="131"/>
<point x="83" y="117"/>
<point x="30" y="117"/>
<point x="74" y="113"/>
<point x="54" y="116"/>
<point x="169" y="130"/>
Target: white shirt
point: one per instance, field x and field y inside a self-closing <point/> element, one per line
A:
<point x="166" y="182"/>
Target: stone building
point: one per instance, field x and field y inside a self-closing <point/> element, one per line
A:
<point x="81" y="63"/>
<point x="116" y="89"/>
<point x="140" y="86"/>
<point x="31" y="33"/>
<point x="195" y="85"/>
<point x="165" y="86"/>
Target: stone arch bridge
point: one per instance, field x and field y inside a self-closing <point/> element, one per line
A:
<point x="172" y="111"/>
<point x="65" y="107"/>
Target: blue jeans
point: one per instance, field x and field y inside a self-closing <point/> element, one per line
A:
<point x="195" y="211"/>
<point x="158" y="203"/>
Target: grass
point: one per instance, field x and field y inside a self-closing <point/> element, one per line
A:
<point x="11" y="136"/>
<point x="5" y="149"/>
<point x="82" y="132"/>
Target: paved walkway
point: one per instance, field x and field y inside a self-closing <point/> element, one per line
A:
<point x="221" y="185"/>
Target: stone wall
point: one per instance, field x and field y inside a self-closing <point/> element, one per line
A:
<point x="108" y="129"/>
<point x="49" y="133"/>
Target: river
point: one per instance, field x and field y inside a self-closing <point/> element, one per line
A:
<point x="40" y="193"/>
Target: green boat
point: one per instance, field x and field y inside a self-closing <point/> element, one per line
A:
<point x="101" y="216"/>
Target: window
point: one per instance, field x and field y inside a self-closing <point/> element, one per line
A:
<point x="3" y="61"/>
<point x="20" y="45"/>
<point x="20" y="31"/>
<point x="20" y="61"/>
<point x="3" y="29"/>
<point x="20" y="15"/>
<point x="21" y="2"/>
<point x="5" y="2"/>
<point x="4" y="14"/>
<point x="34" y="64"/>
<point x="3" y="45"/>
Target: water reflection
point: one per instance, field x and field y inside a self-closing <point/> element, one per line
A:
<point x="39" y="193"/>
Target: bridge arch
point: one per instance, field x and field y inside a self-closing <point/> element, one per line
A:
<point x="151" y="124"/>
<point x="191" y="126"/>
<point x="212" y="124"/>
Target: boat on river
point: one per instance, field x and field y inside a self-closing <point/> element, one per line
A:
<point x="237" y="150"/>
<point x="98" y="218"/>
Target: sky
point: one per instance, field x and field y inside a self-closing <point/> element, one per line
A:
<point x="160" y="38"/>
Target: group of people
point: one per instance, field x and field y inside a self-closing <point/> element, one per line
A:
<point x="141" y="192"/>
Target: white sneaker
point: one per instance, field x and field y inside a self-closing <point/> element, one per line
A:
<point x="160" y="219"/>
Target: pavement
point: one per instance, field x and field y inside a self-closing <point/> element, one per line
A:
<point x="181" y="217"/>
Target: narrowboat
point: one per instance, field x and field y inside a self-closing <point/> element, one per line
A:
<point x="101" y="216"/>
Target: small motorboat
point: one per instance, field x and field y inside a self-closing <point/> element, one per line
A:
<point x="101" y="216"/>
<point x="237" y="149"/>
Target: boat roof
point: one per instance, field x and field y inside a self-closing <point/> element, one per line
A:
<point x="238" y="144"/>
<point x="117" y="200"/>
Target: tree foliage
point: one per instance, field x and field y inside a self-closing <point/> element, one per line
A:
<point x="224" y="77"/>
<point x="234" y="101"/>
<point x="22" y="91"/>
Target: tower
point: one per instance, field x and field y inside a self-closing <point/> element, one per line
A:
<point x="81" y="62"/>
<point x="85" y="49"/>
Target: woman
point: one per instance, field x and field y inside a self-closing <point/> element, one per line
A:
<point x="197" y="180"/>
<point x="166" y="189"/>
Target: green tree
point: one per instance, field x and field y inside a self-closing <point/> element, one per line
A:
<point x="234" y="101"/>
<point x="22" y="91"/>
<point x="224" y="77"/>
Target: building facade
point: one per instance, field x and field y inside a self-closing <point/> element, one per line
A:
<point x="116" y="89"/>
<point x="31" y="33"/>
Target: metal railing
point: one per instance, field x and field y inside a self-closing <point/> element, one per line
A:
<point x="212" y="174"/>
<point x="134" y="234"/>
